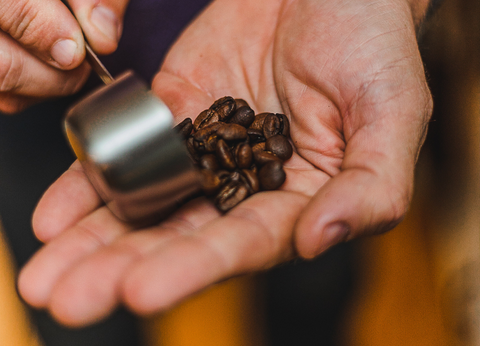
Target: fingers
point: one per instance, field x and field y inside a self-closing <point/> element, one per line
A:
<point x="24" y="75"/>
<point x="253" y="236"/>
<point x="39" y="276"/>
<point x="46" y="28"/>
<point x="66" y="202"/>
<point x="81" y="280"/>
<point x="91" y="289"/>
<point x="101" y="21"/>
<point x="372" y="192"/>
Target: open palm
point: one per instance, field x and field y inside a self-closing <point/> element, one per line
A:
<point x="349" y="77"/>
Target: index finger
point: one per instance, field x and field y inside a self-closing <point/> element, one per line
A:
<point x="66" y="202"/>
<point x="46" y="28"/>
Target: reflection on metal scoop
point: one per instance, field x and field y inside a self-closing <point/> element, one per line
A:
<point x="122" y="134"/>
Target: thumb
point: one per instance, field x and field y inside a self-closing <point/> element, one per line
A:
<point x="372" y="192"/>
<point x="46" y="28"/>
<point x="101" y="21"/>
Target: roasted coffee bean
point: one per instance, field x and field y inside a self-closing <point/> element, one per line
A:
<point x="232" y="132"/>
<point x="207" y="131"/>
<point x="184" y="128"/>
<point x="280" y="146"/>
<point x="224" y="107"/>
<point x="275" y="124"/>
<point x="263" y="157"/>
<point x="259" y="121"/>
<point x="205" y="118"/>
<point x="258" y="147"/>
<point x="241" y="103"/>
<point x="210" y="181"/>
<point x="224" y="155"/>
<point x="210" y="144"/>
<point x="243" y="116"/>
<point x="255" y="135"/>
<point x="251" y="180"/>
<point x="243" y="155"/>
<point x="237" y="152"/>
<point x="209" y="161"/>
<point x="271" y="175"/>
<point x="230" y="195"/>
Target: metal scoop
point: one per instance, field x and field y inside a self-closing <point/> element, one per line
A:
<point x="122" y="134"/>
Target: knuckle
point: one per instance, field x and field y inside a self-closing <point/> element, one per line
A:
<point x="11" y="107"/>
<point x="17" y="18"/>
<point x="11" y="69"/>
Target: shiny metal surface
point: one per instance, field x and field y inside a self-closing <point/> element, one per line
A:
<point x="123" y="136"/>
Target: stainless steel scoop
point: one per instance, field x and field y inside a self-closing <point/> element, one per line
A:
<point x="122" y="134"/>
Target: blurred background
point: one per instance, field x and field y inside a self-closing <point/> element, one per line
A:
<point x="416" y="285"/>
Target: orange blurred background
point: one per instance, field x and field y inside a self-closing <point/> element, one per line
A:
<point x="417" y="285"/>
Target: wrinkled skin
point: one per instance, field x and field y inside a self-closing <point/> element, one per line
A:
<point x="349" y="77"/>
<point x="31" y="68"/>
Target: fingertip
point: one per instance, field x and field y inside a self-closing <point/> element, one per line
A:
<point x="136" y="296"/>
<point x="67" y="53"/>
<point x="354" y="203"/>
<point x="74" y="304"/>
<point x="315" y="240"/>
<point x="67" y="201"/>
<point x="30" y="287"/>
<point x="102" y="26"/>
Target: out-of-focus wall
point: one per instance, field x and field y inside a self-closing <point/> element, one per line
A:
<point x="420" y="283"/>
<point x="15" y="327"/>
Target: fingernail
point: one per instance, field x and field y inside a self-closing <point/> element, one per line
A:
<point x="106" y="22"/>
<point x="333" y="234"/>
<point x="63" y="52"/>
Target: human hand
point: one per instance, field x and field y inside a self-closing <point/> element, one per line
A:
<point x="348" y="75"/>
<point x="42" y="46"/>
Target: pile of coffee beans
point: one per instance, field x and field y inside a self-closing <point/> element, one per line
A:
<point x="238" y="153"/>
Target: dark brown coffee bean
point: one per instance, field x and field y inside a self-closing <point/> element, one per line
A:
<point x="286" y="125"/>
<point x="255" y="135"/>
<point x="224" y="155"/>
<point x="230" y="195"/>
<point x="224" y="107"/>
<point x="209" y="161"/>
<point x="184" y="128"/>
<point x="263" y="157"/>
<point x="271" y="175"/>
<point x="241" y="103"/>
<point x="243" y="116"/>
<point x="243" y="155"/>
<point x="224" y="176"/>
<point x="210" y="144"/>
<point x="276" y="124"/>
<point x="251" y="180"/>
<point x="237" y="152"/>
<point x="280" y="146"/>
<point x="205" y="118"/>
<point x="199" y="147"/>
<point x="191" y="150"/>
<point x="232" y="132"/>
<point x="210" y="181"/>
<point x="258" y="147"/>
<point x="206" y="131"/>
<point x="259" y="120"/>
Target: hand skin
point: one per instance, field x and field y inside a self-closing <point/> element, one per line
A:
<point x="348" y="75"/>
<point x="42" y="46"/>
